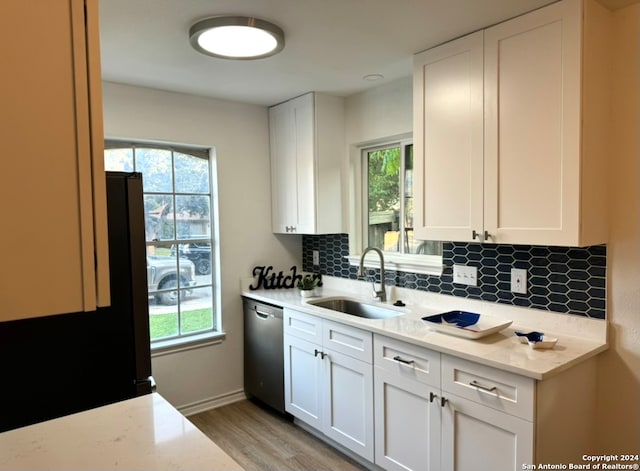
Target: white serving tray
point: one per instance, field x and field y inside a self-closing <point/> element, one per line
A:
<point x="466" y="324"/>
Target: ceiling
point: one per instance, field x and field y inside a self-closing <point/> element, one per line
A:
<point x="330" y="44"/>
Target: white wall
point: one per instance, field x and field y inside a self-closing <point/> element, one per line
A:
<point x="201" y="377"/>
<point x="380" y="112"/>
<point x="619" y="367"/>
<point x="372" y="116"/>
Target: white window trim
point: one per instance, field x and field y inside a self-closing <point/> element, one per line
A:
<point x="421" y="264"/>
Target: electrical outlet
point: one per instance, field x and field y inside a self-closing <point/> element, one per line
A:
<point x="316" y="257"/>
<point x="518" y="281"/>
<point x="465" y="275"/>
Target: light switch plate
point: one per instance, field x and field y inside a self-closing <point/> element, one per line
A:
<point x="316" y="257"/>
<point x="465" y="275"/>
<point x="518" y="281"/>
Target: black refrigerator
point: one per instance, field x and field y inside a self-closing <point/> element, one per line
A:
<point x="58" y="365"/>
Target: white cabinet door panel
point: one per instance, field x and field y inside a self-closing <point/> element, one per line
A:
<point x="448" y="140"/>
<point x="302" y="380"/>
<point x="476" y="437"/>
<point x="407" y="424"/>
<point x="532" y="127"/>
<point x="348" y="408"/>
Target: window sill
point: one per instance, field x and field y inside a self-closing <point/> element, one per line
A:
<point x="167" y="347"/>
<point x="422" y="264"/>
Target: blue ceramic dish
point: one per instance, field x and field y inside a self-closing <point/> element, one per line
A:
<point x="460" y="319"/>
<point x="530" y="336"/>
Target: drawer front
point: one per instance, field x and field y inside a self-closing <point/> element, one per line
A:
<point x="500" y="390"/>
<point x="351" y="341"/>
<point x="303" y="326"/>
<point x="407" y="360"/>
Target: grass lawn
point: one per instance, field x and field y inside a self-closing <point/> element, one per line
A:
<point x="166" y="325"/>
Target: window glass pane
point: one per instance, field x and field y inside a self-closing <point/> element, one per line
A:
<point x="178" y="235"/>
<point x="192" y="217"/>
<point x="159" y="217"/>
<point x="191" y="173"/>
<point x="410" y="243"/>
<point x="155" y="165"/>
<point x="196" y="314"/>
<point x="118" y="160"/>
<point x="199" y="252"/>
<point x="384" y="198"/>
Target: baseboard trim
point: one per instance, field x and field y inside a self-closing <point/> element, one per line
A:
<point x="211" y="403"/>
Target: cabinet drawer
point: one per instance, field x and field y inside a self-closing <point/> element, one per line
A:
<point x="500" y="390"/>
<point x="407" y="360"/>
<point x="349" y="340"/>
<point x="304" y="326"/>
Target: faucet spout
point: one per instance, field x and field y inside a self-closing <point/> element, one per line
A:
<point x="382" y="294"/>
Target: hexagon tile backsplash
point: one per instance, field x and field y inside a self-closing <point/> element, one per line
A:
<point x="569" y="280"/>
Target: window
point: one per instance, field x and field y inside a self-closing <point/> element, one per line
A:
<point x="178" y="226"/>
<point x="387" y="172"/>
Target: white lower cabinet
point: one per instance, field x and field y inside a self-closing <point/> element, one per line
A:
<point x="476" y="437"/>
<point x="436" y="412"/>
<point x="329" y="379"/>
<point x="407" y="406"/>
<point x="427" y="411"/>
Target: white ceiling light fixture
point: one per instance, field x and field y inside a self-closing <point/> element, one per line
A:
<point x="236" y="37"/>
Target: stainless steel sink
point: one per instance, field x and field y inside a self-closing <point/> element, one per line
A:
<point x="356" y="308"/>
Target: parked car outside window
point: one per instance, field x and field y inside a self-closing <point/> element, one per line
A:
<point x="162" y="275"/>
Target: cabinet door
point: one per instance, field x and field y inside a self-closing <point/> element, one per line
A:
<point x="448" y="140"/>
<point x="292" y="147"/>
<point x="348" y="402"/>
<point x="51" y="182"/>
<point x="407" y="424"/>
<point x="477" y="437"/>
<point x="284" y="204"/>
<point x="532" y="127"/>
<point x="304" y="123"/>
<point x="303" y="380"/>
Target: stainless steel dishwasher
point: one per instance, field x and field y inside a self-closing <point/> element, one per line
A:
<point x="263" y="353"/>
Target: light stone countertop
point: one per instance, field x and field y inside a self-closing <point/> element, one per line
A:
<point x="144" y="433"/>
<point x="579" y="338"/>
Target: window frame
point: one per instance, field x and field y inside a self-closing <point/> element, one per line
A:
<point x="216" y="334"/>
<point x="413" y="263"/>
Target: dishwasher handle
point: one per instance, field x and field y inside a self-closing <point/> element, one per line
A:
<point x="263" y="315"/>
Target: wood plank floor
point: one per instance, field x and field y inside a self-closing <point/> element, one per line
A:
<point x="261" y="440"/>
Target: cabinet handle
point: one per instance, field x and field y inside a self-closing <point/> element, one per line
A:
<point x="402" y="360"/>
<point x="317" y="352"/>
<point x="476" y="235"/>
<point x="290" y="228"/>
<point x="443" y="401"/>
<point x="475" y="384"/>
<point x="432" y="396"/>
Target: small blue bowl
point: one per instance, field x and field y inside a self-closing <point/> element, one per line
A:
<point x="529" y="336"/>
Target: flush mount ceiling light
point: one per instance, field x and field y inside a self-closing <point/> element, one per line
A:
<point x="236" y="37"/>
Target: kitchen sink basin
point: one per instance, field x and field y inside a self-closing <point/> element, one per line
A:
<point x="356" y="308"/>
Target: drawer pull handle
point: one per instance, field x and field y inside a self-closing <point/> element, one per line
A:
<point x="475" y="384"/>
<point x="402" y="360"/>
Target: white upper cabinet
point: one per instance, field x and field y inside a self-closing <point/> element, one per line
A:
<point x="448" y="140"/>
<point x="510" y="131"/>
<point x="53" y="198"/>
<point x="307" y="146"/>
